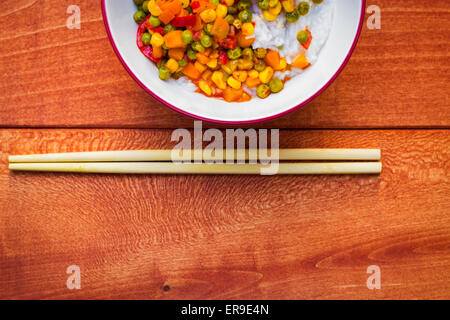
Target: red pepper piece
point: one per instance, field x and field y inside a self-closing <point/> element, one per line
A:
<point x="185" y="21"/>
<point x="228" y="43"/>
<point x="159" y="30"/>
<point x="307" y="43"/>
<point x="195" y="5"/>
<point x="223" y="57"/>
<point x="197" y="35"/>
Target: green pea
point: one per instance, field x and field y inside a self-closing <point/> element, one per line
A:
<point x="247" y="54"/>
<point x="293" y="16"/>
<point x="273" y="3"/>
<point x="187" y="36"/>
<point x="263" y="91"/>
<point x="302" y="36"/>
<point x="234" y="53"/>
<point x="146" y="38"/>
<point x="161" y="63"/>
<point x="182" y="63"/>
<point x="188" y="9"/>
<point x="276" y="85"/>
<point x="197" y="46"/>
<point x="260" y="65"/>
<point x="303" y="8"/>
<point x="164" y="73"/>
<point x="214" y="2"/>
<point x="317" y="1"/>
<point x="229" y="18"/>
<point x="165" y="47"/>
<point x="168" y="28"/>
<point x="263" y="4"/>
<point x="191" y="54"/>
<point x="244" y="5"/>
<point x="139" y="16"/>
<point x="232" y="10"/>
<point x="206" y="41"/>
<point x="145" y="6"/>
<point x="154" y="21"/>
<point x="138" y="2"/>
<point x="260" y="53"/>
<point x="245" y="15"/>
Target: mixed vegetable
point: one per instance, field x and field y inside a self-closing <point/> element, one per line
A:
<point x="210" y="42"/>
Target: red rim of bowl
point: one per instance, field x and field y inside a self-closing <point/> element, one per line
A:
<point x="154" y="95"/>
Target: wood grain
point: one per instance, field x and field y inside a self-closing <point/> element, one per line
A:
<point x="228" y="237"/>
<point x="51" y="76"/>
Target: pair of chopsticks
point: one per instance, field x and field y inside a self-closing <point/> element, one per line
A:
<point x="333" y="161"/>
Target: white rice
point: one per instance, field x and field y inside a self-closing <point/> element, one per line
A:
<point x="274" y="34"/>
<point x="282" y="34"/>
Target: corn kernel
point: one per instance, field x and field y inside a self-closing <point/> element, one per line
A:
<point x="244" y="64"/>
<point x="266" y="75"/>
<point x="221" y="11"/>
<point x="209" y="15"/>
<point x="240" y="76"/>
<point x="275" y="11"/>
<point x="157" y="40"/>
<point x="154" y="9"/>
<point x="217" y="78"/>
<point x="172" y="65"/>
<point x="200" y="67"/>
<point x="204" y="86"/>
<point x="268" y="15"/>
<point x="248" y="29"/>
<point x="288" y="5"/>
<point x="282" y="65"/>
<point x="237" y="23"/>
<point x="253" y="74"/>
<point x="212" y="63"/>
<point x="185" y="3"/>
<point x="229" y="3"/>
<point x="235" y="84"/>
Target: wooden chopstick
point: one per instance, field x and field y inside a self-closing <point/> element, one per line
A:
<point x="201" y="168"/>
<point x="166" y="155"/>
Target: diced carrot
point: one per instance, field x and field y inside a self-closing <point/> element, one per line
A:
<point x="252" y="82"/>
<point x="200" y="67"/>
<point x="177" y="53"/>
<point x="204" y="5"/>
<point x="220" y="28"/>
<point x="157" y="52"/>
<point x="207" y="75"/>
<point x="300" y="62"/>
<point x="202" y="58"/>
<point x="173" y="39"/>
<point x="191" y="71"/>
<point x="231" y="94"/>
<point x="170" y="9"/>
<point x="272" y="58"/>
<point x="243" y="41"/>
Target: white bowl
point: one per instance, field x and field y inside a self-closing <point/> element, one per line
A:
<point x="121" y="29"/>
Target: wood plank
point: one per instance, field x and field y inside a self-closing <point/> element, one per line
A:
<point x="51" y="76"/>
<point x="169" y="237"/>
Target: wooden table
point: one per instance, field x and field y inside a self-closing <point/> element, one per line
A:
<point x="221" y="237"/>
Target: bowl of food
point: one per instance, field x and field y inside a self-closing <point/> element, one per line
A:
<point x="234" y="61"/>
